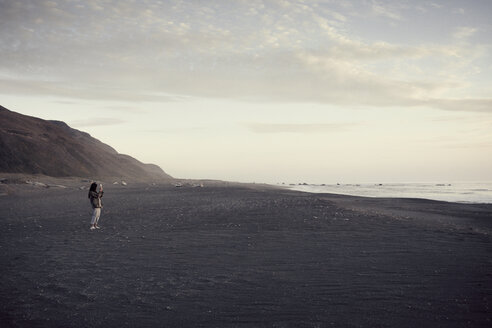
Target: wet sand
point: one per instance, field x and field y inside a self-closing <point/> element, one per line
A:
<point x="238" y="256"/>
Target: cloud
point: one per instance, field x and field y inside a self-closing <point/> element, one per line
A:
<point x="459" y="11"/>
<point x="82" y="90"/>
<point x="436" y="5"/>
<point x="96" y="121"/>
<point x="385" y="10"/>
<point x="464" y="32"/>
<point x="346" y="82"/>
<point x="282" y="51"/>
<point x="475" y="105"/>
<point x="297" y="128"/>
<point x="130" y="109"/>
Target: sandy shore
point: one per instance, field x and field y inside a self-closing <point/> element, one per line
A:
<point x="232" y="256"/>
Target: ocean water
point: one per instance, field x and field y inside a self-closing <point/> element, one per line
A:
<point x="462" y="192"/>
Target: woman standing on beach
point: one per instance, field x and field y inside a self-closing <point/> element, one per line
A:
<point x="95" y="199"/>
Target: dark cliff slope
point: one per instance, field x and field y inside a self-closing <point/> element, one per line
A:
<point x="34" y="146"/>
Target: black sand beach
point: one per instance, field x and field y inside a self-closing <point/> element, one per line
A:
<point x="237" y="256"/>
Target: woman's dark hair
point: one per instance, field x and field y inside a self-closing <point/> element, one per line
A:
<point x="92" y="188"/>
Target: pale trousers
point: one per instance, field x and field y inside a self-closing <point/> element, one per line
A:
<point x="95" y="215"/>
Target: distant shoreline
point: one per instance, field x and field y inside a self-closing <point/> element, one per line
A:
<point x="458" y="192"/>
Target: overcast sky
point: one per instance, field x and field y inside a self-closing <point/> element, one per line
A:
<point x="320" y="91"/>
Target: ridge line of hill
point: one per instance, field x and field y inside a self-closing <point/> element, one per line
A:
<point x="30" y="145"/>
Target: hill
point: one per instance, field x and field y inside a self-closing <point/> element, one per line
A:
<point x="30" y="145"/>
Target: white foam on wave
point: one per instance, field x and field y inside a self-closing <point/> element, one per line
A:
<point x="464" y="192"/>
